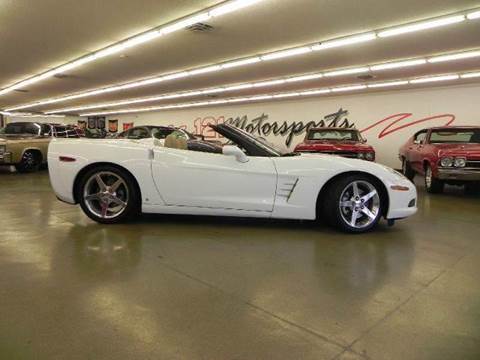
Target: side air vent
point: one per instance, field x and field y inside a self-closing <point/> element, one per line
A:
<point x="200" y="28"/>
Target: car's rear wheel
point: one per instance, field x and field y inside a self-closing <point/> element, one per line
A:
<point x="30" y="162"/>
<point x="407" y="170"/>
<point x="108" y="195"/>
<point x="432" y="185"/>
<point x="354" y="203"/>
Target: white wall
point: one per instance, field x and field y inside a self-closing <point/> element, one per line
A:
<point x="398" y="114"/>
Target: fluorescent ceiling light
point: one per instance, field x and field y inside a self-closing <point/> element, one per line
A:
<point x="473" y="15"/>
<point x="458" y="56"/>
<point x="239" y="87"/>
<point x="287" y="53"/>
<point x="315" y="92"/>
<point x="291" y="94"/>
<point x="269" y="83"/>
<point x="434" y="79"/>
<point x="347" y="71"/>
<point x="242" y="62"/>
<point x="350" y="40"/>
<point x="422" y="25"/>
<point x="388" y="84"/>
<point x="304" y="77"/>
<point x="470" y="75"/>
<point x="134" y="41"/>
<point x="398" y="64"/>
<point x="349" y="88"/>
<point x="231" y="6"/>
<point x="205" y="70"/>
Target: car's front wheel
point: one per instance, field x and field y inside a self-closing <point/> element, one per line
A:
<point x="30" y="162"/>
<point x="108" y="195"/>
<point x="432" y="185"/>
<point x="354" y="203"/>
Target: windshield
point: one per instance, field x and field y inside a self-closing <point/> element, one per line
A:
<point x="454" y="136"/>
<point x="274" y="150"/>
<point x="336" y="134"/>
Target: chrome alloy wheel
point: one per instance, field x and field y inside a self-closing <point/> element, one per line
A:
<point x="359" y="204"/>
<point x="106" y="194"/>
<point x="428" y="177"/>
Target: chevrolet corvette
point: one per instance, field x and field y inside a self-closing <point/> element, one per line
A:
<point x="114" y="180"/>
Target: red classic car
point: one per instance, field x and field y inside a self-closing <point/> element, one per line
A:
<point x="336" y="141"/>
<point x="444" y="155"/>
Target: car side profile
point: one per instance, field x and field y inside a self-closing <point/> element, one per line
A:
<point x="444" y="155"/>
<point x="113" y="180"/>
<point x="344" y="142"/>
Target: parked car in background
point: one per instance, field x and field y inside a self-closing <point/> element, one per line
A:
<point x="337" y="141"/>
<point x="156" y="135"/>
<point x="25" y="144"/>
<point x="444" y="155"/>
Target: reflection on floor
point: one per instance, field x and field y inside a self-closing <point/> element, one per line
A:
<point x="209" y="288"/>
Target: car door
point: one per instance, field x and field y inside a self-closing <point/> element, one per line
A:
<point x="199" y="179"/>
<point x="415" y="151"/>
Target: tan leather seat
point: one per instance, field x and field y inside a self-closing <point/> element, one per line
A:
<point x="176" y="141"/>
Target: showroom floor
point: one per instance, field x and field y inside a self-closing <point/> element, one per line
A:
<point x="210" y="288"/>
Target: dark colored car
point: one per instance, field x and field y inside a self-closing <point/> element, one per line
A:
<point x="337" y="141"/>
<point x="444" y="155"/>
<point x="159" y="133"/>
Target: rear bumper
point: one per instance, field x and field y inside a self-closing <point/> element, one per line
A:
<point x="459" y="174"/>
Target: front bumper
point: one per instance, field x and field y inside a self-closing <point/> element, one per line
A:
<point x="463" y="174"/>
<point x="402" y="203"/>
<point x="5" y="158"/>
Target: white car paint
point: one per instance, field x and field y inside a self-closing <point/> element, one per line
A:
<point x="174" y="181"/>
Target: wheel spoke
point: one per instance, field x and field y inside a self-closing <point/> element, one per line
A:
<point x="367" y="212"/>
<point x="355" y="214"/>
<point x="104" y="208"/>
<point x="367" y="197"/>
<point x="356" y="192"/>
<point x="118" y="201"/>
<point x="116" y="185"/>
<point x="347" y="204"/>
<point x="93" y="197"/>
<point x="100" y="182"/>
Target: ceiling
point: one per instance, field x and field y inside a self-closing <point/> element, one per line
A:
<point x="38" y="35"/>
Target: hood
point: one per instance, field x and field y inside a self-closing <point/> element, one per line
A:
<point x="334" y="146"/>
<point x="467" y="150"/>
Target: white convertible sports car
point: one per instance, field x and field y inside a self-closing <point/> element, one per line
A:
<point x="114" y="180"/>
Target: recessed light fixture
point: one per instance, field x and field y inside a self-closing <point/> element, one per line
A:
<point x="422" y="25"/>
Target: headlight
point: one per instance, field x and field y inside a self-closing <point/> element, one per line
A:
<point x="370" y="156"/>
<point x="460" y="162"/>
<point x="361" y="155"/>
<point x="446" y="162"/>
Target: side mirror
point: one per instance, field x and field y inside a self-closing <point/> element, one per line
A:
<point x="232" y="150"/>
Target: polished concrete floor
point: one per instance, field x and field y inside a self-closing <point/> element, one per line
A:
<point x="211" y="288"/>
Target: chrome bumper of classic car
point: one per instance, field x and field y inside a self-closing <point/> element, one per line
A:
<point x="5" y="158"/>
<point x="463" y="174"/>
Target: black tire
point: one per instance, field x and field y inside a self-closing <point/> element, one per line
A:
<point x="472" y="188"/>
<point x="332" y="211"/>
<point x="432" y="185"/>
<point x="407" y="170"/>
<point x="130" y="195"/>
<point x="31" y="161"/>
